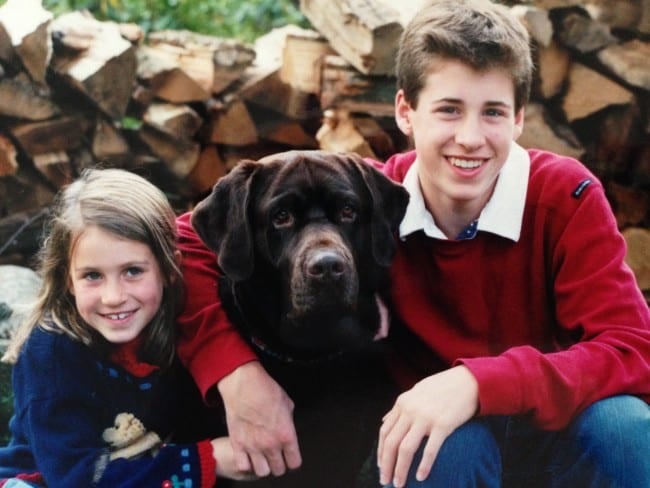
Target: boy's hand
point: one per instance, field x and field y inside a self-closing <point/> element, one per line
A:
<point x="259" y="415"/>
<point x="433" y="408"/>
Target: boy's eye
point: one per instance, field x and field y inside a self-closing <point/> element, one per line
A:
<point x="493" y="112"/>
<point x="282" y="218"/>
<point x="450" y="109"/>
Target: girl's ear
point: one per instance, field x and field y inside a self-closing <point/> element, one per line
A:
<point x="519" y="124"/>
<point x="69" y="285"/>
<point x="402" y="113"/>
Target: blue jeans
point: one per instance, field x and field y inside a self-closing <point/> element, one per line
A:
<point x="607" y="445"/>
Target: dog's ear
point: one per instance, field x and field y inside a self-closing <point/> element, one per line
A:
<point x="389" y="201"/>
<point x="221" y="221"/>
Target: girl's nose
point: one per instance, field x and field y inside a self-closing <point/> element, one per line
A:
<point x="113" y="293"/>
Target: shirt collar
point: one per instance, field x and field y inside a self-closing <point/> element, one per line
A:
<point x="503" y="213"/>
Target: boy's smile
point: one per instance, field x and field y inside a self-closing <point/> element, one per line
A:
<point x="462" y="127"/>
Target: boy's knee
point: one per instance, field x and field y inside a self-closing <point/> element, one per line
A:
<point x="614" y="434"/>
<point x="470" y="456"/>
<point x="624" y="419"/>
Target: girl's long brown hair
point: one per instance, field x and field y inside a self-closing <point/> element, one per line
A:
<point x="124" y="204"/>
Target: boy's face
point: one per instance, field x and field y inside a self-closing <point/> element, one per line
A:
<point x="462" y="128"/>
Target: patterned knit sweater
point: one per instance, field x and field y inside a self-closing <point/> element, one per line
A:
<point x="66" y="397"/>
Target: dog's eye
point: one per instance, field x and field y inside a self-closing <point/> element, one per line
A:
<point x="283" y="218"/>
<point x="348" y="213"/>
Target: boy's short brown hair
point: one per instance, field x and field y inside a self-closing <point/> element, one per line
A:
<point x="477" y="32"/>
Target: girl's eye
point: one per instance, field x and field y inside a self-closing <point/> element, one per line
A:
<point x="134" y="271"/>
<point x="348" y="213"/>
<point x="92" y="276"/>
<point x="282" y="219"/>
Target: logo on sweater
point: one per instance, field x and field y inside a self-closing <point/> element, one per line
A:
<point x="581" y="188"/>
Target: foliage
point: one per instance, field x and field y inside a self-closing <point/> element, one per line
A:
<point x="241" y="19"/>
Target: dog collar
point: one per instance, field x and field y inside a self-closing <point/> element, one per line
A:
<point x="264" y="348"/>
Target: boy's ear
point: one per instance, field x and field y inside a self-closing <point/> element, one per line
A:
<point x="519" y="124"/>
<point x="402" y="113"/>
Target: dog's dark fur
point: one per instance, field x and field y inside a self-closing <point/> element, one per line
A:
<point x="304" y="240"/>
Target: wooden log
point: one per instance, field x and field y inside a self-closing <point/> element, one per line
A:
<point x="214" y="62"/>
<point x="24" y="99"/>
<point x="208" y="169"/>
<point x="601" y="92"/>
<point x="8" y="153"/>
<point x="161" y="72"/>
<point x="638" y="255"/>
<point x="618" y="14"/>
<point x="262" y="82"/>
<point x="20" y="232"/>
<point x="581" y="33"/>
<point x="629" y="61"/>
<point x="553" y="63"/>
<point x="59" y="134"/>
<point x="24" y="191"/>
<point x="277" y="128"/>
<point x="26" y="24"/>
<point x="339" y="134"/>
<point x="345" y="87"/>
<point x="106" y="70"/>
<point x="364" y="32"/>
<point x="539" y="133"/>
<point x="56" y="167"/>
<point x="179" y="121"/>
<point x="537" y="23"/>
<point x="631" y="205"/>
<point x="108" y="143"/>
<point x="230" y="123"/>
<point x="179" y="155"/>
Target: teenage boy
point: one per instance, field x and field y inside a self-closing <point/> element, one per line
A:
<point x="522" y="338"/>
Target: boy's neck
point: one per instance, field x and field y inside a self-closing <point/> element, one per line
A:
<point x="451" y="216"/>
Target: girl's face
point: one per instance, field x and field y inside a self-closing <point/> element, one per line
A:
<point x="463" y="128"/>
<point x="117" y="284"/>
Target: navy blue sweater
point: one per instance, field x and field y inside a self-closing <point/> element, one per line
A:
<point x="64" y="399"/>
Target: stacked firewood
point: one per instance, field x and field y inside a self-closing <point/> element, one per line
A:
<point x="183" y="108"/>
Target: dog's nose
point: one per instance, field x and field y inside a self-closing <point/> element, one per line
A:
<point x="325" y="265"/>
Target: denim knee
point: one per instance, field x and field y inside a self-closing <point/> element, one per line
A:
<point x="469" y="457"/>
<point x="614" y="436"/>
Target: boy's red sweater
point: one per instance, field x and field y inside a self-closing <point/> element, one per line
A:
<point x="547" y="325"/>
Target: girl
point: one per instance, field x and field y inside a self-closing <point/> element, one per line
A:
<point x="94" y="387"/>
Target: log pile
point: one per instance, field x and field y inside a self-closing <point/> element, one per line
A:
<point x="183" y="108"/>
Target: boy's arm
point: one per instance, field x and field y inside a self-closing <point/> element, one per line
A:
<point x="259" y="413"/>
<point x="598" y="303"/>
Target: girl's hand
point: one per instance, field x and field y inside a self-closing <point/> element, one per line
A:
<point x="433" y="408"/>
<point x="226" y="466"/>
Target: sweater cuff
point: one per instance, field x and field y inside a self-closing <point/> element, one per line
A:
<point x="208" y="463"/>
<point x="499" y="388"/>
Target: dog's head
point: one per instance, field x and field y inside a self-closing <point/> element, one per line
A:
<point x="316" y="229"/>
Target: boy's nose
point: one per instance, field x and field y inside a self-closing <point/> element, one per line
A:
<point x="469" y="133"/>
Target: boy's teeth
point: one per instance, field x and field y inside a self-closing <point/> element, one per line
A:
<point x="466" y="163"/>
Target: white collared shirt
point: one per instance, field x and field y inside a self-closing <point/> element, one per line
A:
<point x="503" y="213"/>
